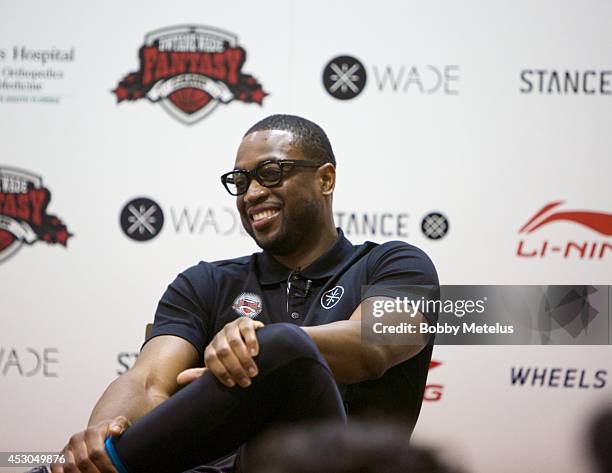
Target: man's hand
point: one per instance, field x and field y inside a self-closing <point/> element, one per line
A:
<point x="85" y="451"/>
<point x="229" y="356"/>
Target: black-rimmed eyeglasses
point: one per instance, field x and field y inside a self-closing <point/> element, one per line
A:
<point x="270" y="173"/>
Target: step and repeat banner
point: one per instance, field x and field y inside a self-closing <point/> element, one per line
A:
<point x="478" y="131"/>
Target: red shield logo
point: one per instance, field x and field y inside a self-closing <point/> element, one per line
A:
<point x="23" y="213"/>
<point x="248" y="304"/>
<point x="190" y="70"/>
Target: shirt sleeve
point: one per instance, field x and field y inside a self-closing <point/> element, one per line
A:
<point x="181" y="310"/>
<point x="397" y="269"/>
<point x="394" y="268"/>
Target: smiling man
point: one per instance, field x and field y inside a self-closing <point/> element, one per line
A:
<point x="265" y="339"/>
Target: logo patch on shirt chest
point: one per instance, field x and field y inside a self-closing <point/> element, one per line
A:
<point x="248" y="304"/>
<point x="332" y="297"/>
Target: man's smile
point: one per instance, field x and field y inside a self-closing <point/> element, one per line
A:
<point x="262" y="216"/>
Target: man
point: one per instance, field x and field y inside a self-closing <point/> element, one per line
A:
<point x="332" y="447"/>
<point x="278" y="332"/>
<point x="599" y="435"/>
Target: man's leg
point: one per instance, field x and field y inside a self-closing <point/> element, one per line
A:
<point x="206" y="420"/>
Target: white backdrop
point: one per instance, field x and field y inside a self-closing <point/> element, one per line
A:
<point x="484" y="154"/>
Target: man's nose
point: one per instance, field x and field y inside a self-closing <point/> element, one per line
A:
<point x="255" y="192"/>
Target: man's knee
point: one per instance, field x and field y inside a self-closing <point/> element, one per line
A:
<point x="286" y="342"/>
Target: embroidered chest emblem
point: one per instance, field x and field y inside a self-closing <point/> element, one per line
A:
<point x="248" y="304"/>
<point x="332" y="297"/>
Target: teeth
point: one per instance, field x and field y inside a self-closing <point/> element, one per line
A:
<point x="264" y="214"/>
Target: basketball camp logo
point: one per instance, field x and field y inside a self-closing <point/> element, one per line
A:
<point x="23" y="213"/>
<point x="190" y="70"/>
<point x="248" y="304"/>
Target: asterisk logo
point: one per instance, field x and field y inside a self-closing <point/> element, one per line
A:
<point x="331" y="297"/>
<point x="142" y="219"/>
<point x="344" y="77"/>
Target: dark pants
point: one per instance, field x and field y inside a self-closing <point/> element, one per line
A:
<point x="206" y="421"/>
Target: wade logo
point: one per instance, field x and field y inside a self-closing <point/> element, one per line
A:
<point x="596" y="248"/>
<point x="23" y="213"/>
<point x="190" y="70"/>
<point x="433" y="392"/>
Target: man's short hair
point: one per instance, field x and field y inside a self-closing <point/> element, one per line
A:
<point x="308" y="137"/>
<point x="335" y="447"/>
<point x="600" y="432"/>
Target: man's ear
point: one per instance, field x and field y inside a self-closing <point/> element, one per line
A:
<point x="326" y="177"/>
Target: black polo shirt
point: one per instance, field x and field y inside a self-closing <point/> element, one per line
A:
<point x="206" y="297"/>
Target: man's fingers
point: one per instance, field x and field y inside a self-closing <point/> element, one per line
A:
<point x="187" y="376"/>
<point x="59" y="467"/>
<point x="230" y="355"/>
<point x="248" y="334"/>
<point x="234" y="337"/>
<point x="81" y="457"/>
<point x="217" y="368"/>
<point x="68" y="463"/>
<point x="97" y="451"/>
<point x="226" y="355"/>
<point x="118" y="426"/>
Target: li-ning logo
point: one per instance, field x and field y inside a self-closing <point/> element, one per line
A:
<point x="190" y="70"/>
<point x="248" y="304"/>
<point x="433" y="392"/>
<point x="598" y="222"/>
<point x="332" y="297"/>
<point x="23" y="213"/>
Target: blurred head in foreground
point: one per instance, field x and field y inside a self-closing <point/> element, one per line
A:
<point x="359" y="447"/>
<point x="600" y="439"/>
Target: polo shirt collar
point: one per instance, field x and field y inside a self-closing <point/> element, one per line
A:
<point x="272" y="272"/>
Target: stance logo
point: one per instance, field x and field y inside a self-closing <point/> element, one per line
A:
<point x="248" y="304"/>
<point x="332" y="297"/>
<point x="344" y="77"/>
<point x="434" y="226"/>
<point x="23" y="213"/>
<point x="190" y="70"/>
<point x="598" y="222"/>
<point x="141" y="219"/>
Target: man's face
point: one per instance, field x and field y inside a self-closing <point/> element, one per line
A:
<point x="282" y="218"/>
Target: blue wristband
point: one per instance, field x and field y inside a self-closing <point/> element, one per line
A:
<point x="114" y="456"/>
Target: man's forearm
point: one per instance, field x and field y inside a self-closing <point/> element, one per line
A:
<point x="353" y="361"/>
<point x="349" y="358"/>
<point x="127" y="396"/>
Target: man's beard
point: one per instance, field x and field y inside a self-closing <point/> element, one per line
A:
<point x="294" y="229"/>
